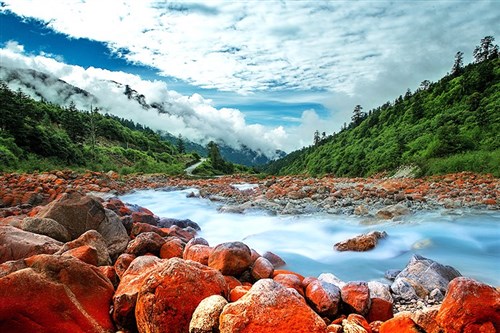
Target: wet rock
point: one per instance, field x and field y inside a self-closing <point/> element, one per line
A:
<point x="470" y="306"/>
<point x="198" y="252"/>
<point x="173" y="291"/>
<point x="422" y="275"/>
<point x="47" y="227"/>
<point x="231" y="258"/>
<point x="290" y="281"/>
<point x="139" y="228"/>
<point x="356" y="296"/>
<point x="392" y="211"/>
<point x="275" y="259"/>
<point x="324" y="298"/>
<point x="147" y="242"/>
<point x="125" y="296"/>
<point x="144" y="217"/>
<point x="168" y="222"/>
<point x="206" y="316"/>
<point x="18" y="244"/>
<point x="262" y="269"/>
<point x="269" y="307"/>
<point x="93" y="239"/>
<point x="173" y="247"/>
<point x="50" y="293"/>
<point x="361" y="243"/>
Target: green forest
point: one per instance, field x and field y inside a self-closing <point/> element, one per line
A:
<point x="37" y="135"/>
<point x="447" y="126"/>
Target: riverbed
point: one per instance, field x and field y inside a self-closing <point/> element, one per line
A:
<point x="467" y="239"/>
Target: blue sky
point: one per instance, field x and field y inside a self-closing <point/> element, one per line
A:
<point x="264" y="73"/>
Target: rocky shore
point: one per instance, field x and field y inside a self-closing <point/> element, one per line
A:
<point x="73" y="258"/>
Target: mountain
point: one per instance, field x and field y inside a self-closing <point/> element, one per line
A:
<point x="49" y="88"/>
<point x="451" y="125"/>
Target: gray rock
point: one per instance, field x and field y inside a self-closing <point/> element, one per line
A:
<point x="403" y="289"/>
<point x="205" y="317"/>
<point x="47" y="227"/>
<point x="380" y="290"/>
<point x="93" y="239"/>
<point x="114" y="233"/>
<point x="391" y="274"/>
<point x="330" y="278"/>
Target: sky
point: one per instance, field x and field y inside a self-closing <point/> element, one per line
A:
<point x="266" y="74"/>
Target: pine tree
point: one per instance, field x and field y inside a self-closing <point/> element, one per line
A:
<point x="458" y="65"/>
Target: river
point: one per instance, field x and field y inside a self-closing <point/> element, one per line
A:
<point x="468" y="240"/>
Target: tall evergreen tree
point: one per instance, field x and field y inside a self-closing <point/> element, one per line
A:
<point x="458" y="65"/>
<point x="357" y="115"/>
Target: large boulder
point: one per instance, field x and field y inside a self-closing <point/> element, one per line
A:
<point x="171" y="293"/>
<point x="270" y="308"/>
<point x="206" y="316"/>
<point x="423" y="275"/>
<point x="114" y="233"/>
<point x="470" y="306"/>
<point x="361" y="243"/>
<point x="131" y="282"/>
<point x="77" y="213"/>
<point x="50" y="293"/>
<point x="18" y="244"/>
<point x="232" y="258"/>
<point x="47" y="227"/>
<point x="324" y="298"/>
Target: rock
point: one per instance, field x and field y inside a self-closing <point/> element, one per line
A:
<point x="405" y="290"/>
<point x="361" y="210"/>
<point x="114" y="234"/>
<point x="436" y="295"/>
<point x="324" y="298"/>
<point x="275" y="259"/>
<point x="125" y="298"/>
<point x="172" y="292"/>
<point x="380" y="290"/>
<point x="50" y="293"/>
<point x="356" y="296"/>
<point x="93" y="239"/>
<point x="231" y="258"/>
<point x="269" y="308"/>
<point x="470" y="306"/>
<point x="361" y="243"/>
<point x="199" y="253"/>
<point x="147" y="242"/>
<point x="357" y="320"/>
<point x="424" y="275"/>
<point x="426" y="318"/>
<point x="144" y="217"/>
<point x="330" y="278"/>
<point x="122" y="263"/>
<point x="231" y="281"/>
<point x="380" y="310"/>
<point x="47" y="227"/>
<point x="392" y="211"/>
<point x="400" y="325"/>
<point x="238" y="292"/>
<point x="167" y="223"/>
<point x="206" y="316"/>
<point x="76" y="212"/>
<point x="18" y="244"/>
<point x="350" y="327"/>
<point x="334" y="328"/>
<point x="85" y="253"/>
<point x="262" y="269"/>
<point x="391" y="274"/>
<point x="290" y="281"/>
<point x="173" y="247"/>
<point x="139" y="228"/>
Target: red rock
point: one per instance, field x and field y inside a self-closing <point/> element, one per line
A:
<point x="85" y="253"/>
<point x="375" y="326"/>
<point x="55" y="294"/>
<point x="144" y="217"/>
<point x="18" y="244"/>
<point x="360" y="321"/>
<point x="172" y="292"/>
<point x="232" y="282"/>
<point x="262" y="269"/>
<point x="290" y="281"/>
<point x="173" y="247"/>
<point x="324" y="298"/>
<point x="361" y="243"/>
<point x="284" y="271"/>
<point x="380" y="310"/>
<point x="185" y="234"/>
<point x="199" y="253"/>
<point x="275" y="259"/>
<point x="401" y="325"/>
<point x="468" y="306"/>
<point x="489" y="201"/>
<point x="334" y="328"/>
<point x="231" y="258"/>
<point x="110" y="273"/>
<point x="238" y="292"/>
<point x="93" y="239"/>
<point x="147" y="242"/>
<point x="268" y="307"/>
<point x="131" y="281"/>
<point x="139" y="228"/>
<point x="255" y="255"/>
<point x="122" y="263"/>
<point x="356" y="296"/>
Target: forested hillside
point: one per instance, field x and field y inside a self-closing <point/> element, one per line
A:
<point x="37" y="135"/>
<point x="447" y="126"/>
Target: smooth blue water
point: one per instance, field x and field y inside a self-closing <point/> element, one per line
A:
<point x="466" y="240"/>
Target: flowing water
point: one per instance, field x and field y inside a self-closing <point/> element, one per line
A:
<point x="468" y="240"/>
